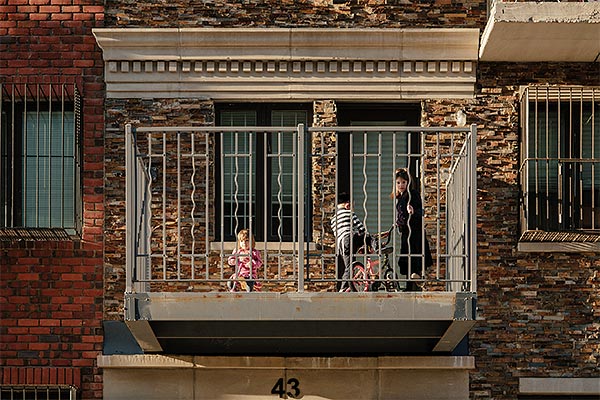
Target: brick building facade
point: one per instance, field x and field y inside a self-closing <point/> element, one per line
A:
<point x="537" y="311"/>
<point x="51" y="307"/>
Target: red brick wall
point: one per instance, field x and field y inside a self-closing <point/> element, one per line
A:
<point x="50" y="291"/>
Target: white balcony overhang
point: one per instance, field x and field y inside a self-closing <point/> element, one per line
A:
<point x="236" y="64"/>
<point x="538" y="32"/>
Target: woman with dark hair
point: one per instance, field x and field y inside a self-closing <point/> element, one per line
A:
<point x="414" y="248"/>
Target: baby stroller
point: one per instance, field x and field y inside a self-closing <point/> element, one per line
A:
<point x="377" y="274"/>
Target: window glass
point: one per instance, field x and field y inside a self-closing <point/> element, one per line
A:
<point x="250" y="157"/>
<point x="239" y="175"/>
<point x="48" y="169"/>
<point x="376" y="211"/>
<point x="282" y="172"/>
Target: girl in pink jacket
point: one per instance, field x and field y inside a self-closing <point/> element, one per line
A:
<point x="247" y="261"/>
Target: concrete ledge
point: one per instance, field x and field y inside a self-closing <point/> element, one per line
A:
<point x="555" y="386"/>
<point x="153" y="361"/>
<point x="310" y="378"/>
<point x="558" y="247"/>
<point x="287" y="43"/>
<point x="541" y="32"/>
<point x="316" y="306"/>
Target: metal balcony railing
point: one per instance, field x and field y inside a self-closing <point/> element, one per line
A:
<point x="190" y="189"/>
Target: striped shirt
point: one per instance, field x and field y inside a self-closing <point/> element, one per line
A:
<point x="343" y="222"/>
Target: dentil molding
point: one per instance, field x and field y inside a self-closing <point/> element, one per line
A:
<point x="289" y="64"/>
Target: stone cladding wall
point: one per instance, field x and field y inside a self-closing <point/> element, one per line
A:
<point x="138" y="113"/>
<point x="51" y="291"/>
<point x="538" y="313"/>
<point x="323" y="189"/>
<point x="303" y="13"/>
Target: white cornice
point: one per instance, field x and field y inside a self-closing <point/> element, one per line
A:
<point x="294" y="63"/>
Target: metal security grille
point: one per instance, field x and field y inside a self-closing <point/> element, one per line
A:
<point x="560" y="167"/>
<point x="27" y="392"/>
<point x="40" y="161"/>
<point x="172" y="222"/>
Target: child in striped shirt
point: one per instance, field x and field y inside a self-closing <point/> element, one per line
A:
<point x="349" y="232"/>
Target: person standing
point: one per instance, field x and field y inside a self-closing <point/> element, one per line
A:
<point x="414" y="247"/>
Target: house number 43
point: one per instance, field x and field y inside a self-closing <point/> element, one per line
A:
<point x="292" y="389"/>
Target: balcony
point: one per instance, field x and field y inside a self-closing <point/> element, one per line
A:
<point x="541" y="31"/>
<point x="190" y="189"/>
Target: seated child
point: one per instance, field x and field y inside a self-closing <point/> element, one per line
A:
<point x="247" y="261"/>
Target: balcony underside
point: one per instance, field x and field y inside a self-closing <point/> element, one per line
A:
<point x="300" y="323"/>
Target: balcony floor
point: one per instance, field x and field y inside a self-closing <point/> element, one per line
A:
<point x="304" y="323"/>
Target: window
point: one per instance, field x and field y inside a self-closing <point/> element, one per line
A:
<point x="256" y="171"/>
<point x="560" y="169"/>
<point x="39" y="159"/>
<point x="38" y="392"/>
<point x="407" y="154"/>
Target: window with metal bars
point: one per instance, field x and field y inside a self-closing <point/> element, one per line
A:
<point x="40" y="188"/>
<point x="38" y="392"/>
<point x="560" y="160"/>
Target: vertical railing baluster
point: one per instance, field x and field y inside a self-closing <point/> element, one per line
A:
<point x="279" y="202"/>
<point x="164" y="204"/>
<point x="594" y="157"/>
<point x="473" y="207"/>
<point x="207" y="200"/>
<point x="301" y="192"/>
<point x="193" y="201"/>
<point x="130" y="209"/>
<point x="178" y="205"/>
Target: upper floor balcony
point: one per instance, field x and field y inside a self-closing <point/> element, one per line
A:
<point x="528" y="31"/>
<point x="190" y="190"/>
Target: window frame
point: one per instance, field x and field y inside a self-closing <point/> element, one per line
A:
<point x="263" y="119"/>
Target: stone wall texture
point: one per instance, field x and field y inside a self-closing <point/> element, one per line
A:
<point x="51" y="291"/>
<point x="138" y="113"/>
<point x="302" y="13"/>
<point x="538" y="313"/>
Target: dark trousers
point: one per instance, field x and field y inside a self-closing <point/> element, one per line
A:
<point x="345" y="257"/>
